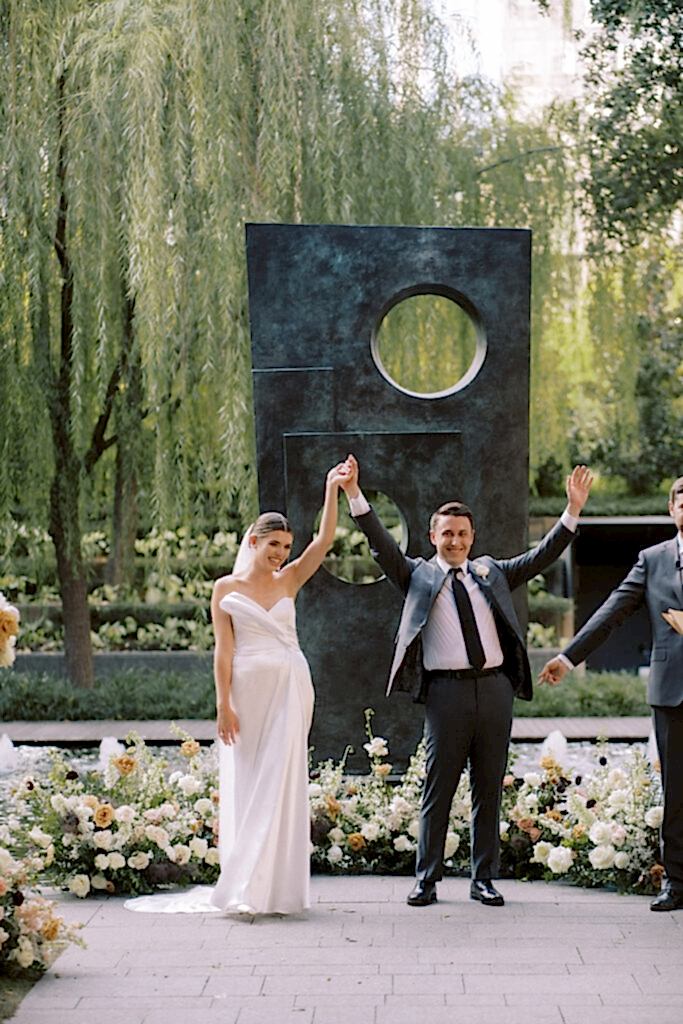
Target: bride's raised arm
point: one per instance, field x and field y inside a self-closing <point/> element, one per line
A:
<point x="310" y="560"/>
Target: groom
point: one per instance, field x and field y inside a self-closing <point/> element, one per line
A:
<point x="460" y="651"/>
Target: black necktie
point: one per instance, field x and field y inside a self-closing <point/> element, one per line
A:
<point x="473" y="645"/>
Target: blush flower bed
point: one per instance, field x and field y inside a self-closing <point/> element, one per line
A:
<point x="31" y="932"/>
<point x="137" y="825"/>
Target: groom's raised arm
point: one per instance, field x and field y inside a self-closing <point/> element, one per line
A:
<point x="386" y="552"/>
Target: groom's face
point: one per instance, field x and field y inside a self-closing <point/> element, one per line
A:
<point x="453" y="537"/>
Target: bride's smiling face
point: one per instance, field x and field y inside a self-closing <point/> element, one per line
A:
<point x="272" y="550"/>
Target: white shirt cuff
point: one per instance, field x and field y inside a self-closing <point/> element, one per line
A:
<point x="565" y="661"/>
<point x="570" y="521"/>
<point x="359" y="505"/>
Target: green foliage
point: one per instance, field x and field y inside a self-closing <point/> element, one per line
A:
<point x="594" y="694"/>
<point x="633" y="123"/>
<point x="144" y="694"/>
<point x="128" y="695"/>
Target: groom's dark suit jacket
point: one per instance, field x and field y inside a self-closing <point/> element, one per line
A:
<point x="656" y="581"/>
<point x="420" y="581"/>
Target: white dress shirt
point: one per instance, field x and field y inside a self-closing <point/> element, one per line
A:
<point x="443" y="644"/>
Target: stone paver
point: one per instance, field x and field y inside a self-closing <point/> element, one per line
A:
<point x="560" y="954"/>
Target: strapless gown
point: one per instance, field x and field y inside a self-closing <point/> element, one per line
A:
<point x="264" y="835"/>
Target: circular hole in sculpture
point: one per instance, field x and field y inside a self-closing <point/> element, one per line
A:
<point x="350" y="559"/>
<point x="429" y="345"/>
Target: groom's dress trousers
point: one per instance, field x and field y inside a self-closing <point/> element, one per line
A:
<point x="656" y="581"/>
<point x="468" y="709"/>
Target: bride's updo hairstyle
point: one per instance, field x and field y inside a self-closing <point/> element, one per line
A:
<point x="270" y="522"/>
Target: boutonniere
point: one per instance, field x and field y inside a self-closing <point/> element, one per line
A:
<point x="481" y="570"/>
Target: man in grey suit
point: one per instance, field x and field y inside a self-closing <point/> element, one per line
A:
<point x="656" y="580"/>
<point x="460" y="651"/>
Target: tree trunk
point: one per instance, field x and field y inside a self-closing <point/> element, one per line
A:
<point x="120" y="566"/>
<point x="65" y="519"/>
<point x="125" y="516"/>
<point x="66" y="537"/>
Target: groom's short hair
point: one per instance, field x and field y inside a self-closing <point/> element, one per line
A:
<point x="451" y="508"/>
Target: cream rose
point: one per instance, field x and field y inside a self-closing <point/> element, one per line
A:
<point x="79" y="885"/>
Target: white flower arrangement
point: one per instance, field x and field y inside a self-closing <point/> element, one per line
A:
<point x="481" y="569"/>
<point x="127" y="829"/>
<point x="136" y="826"/>
<point x="31" y="932"/>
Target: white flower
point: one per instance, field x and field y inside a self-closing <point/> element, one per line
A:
<point x="315" y="789"/>
<point x="212" y="858"/>
<point x="400" y="806"/>
<point x="189" y="785"/>
<point x="481" y="569"/>
<point x="79" y="885"/>
<point x="4" y="936"/>
<point x="654" y="816"/>
<point x="600" y="833"/>
<point x="560" y="859"/>
<point x="503" y="828"/>
<point x="335" y="854"/>
<point x="532" y="779"/>
<point x="370" y="831"/>
<point x="116" y="861"/>
<point x="402" y="844"/>
<point x="58" y="804"/>
<point x="173" y="777"/>
<point x="24" y="952"/>
<point x="204" y="807"/>
<point x="452" y="844"/>
<point x="181" y="853"/>
<point x="377" y="747"/>
<point x="7" y="861"/>
<point x="541" y="852"/>
<point x="167" y="810"/>
<point x="40" y="838"/>
<point x="413" y="828"/>
<point x="125" y="814"/>
<point x="621" y="860"/>
<point x="139" y="860"/>
<point x="336" y="835"/>
<point x="98" y="882"/>
<point x="618" y="799"/>
<point x="102" y="861"/>
<point x="602" y="857"/>
<point x="617" y="779"/>
<point x="198" y="847"/>
<point x="103" y="839"/>
<point x="157" y="834"/>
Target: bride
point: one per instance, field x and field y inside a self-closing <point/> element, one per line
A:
<point x="264" y="700"/>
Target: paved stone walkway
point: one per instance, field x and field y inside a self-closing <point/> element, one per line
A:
<point x="553" y="955"/>
<point x="92" y="732"/>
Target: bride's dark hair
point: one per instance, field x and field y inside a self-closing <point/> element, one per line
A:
<point x="269" y="522"/>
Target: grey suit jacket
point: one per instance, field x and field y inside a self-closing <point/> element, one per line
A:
<point x="420" y="581"/>
<point x="656" y="581"/>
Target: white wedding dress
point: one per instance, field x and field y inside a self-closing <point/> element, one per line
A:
<point x="264" y="835"/>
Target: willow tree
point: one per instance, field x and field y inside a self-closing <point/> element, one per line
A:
<point x="137" y="135"/>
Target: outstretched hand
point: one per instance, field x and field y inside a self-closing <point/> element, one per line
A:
<point x="553" y="672"/>
<point x="579" y="483"/>
<point x="350" y="476"/>
<point x="336" y="476"/>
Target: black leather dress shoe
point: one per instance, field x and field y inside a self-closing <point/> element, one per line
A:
<point x="482" y="890"/>
<point x="668" y="899"/>
<point x="422" y="894"/>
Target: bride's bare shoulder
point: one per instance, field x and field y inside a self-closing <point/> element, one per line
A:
<point x="224" y="585"/>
